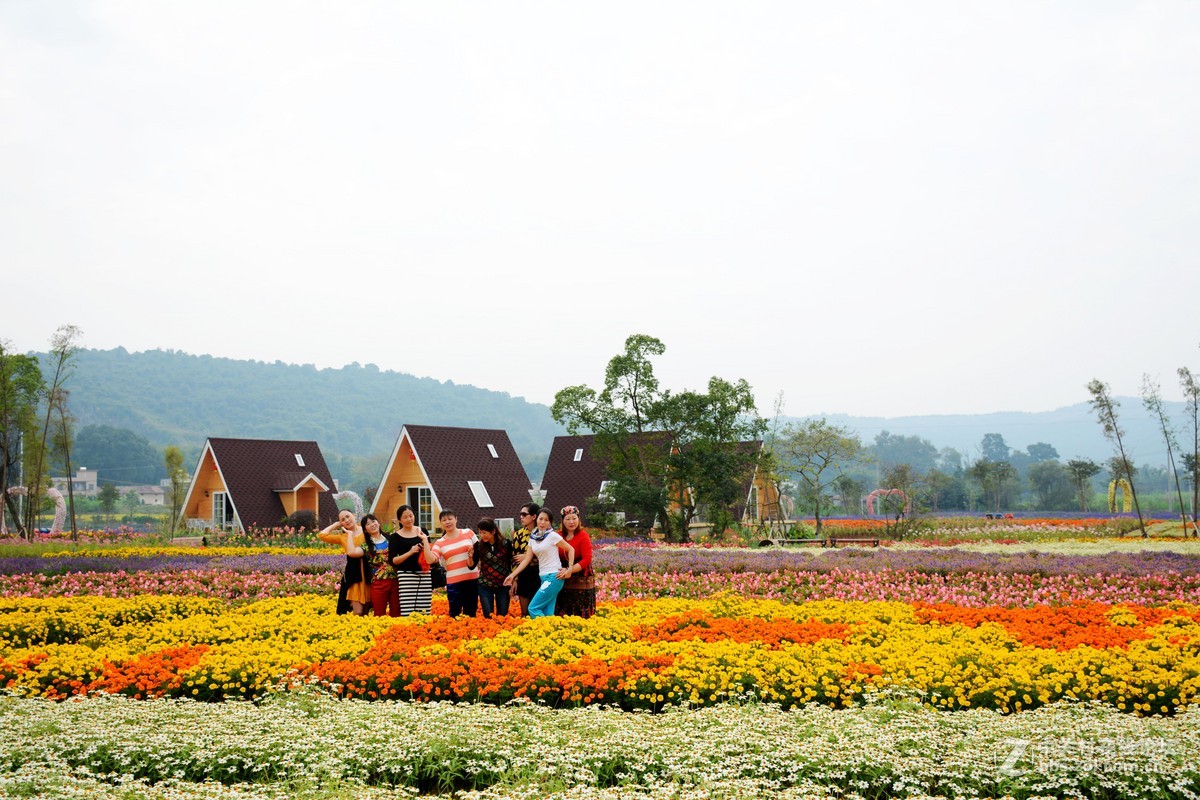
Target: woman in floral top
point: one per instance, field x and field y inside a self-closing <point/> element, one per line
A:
<point x="385" y="593"/>
<point x="492" y="557"/>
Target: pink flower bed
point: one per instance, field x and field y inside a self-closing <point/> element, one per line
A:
<point x="969" y="589"/>
<point x="223" y="584"/>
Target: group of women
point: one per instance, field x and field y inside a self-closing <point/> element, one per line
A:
<point x="547" y="571"/>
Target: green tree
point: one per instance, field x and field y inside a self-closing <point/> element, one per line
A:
<point x="622" y="416"/>
<point x="993" y="477"/>
<point x="890" y="449"/>
<point x="690" y="445"/>
<point x="1040" y="451"/>
<point x="1105" y="406"/>
<point x="816" y="453"/>
<point x="1082" y="470"/>
<point x="20" y="386"/>
<point x="1051" y="484"/>
<point x="173" y="461"/>
<point x="714" y="450"/>
<point x="108" y="497"/>
<point x="994" y="448"/>
<point x="131" y="505"/>
<point x="938" y="486"/>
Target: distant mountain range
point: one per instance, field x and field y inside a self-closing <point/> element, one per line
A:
<point x="355" y="412"/>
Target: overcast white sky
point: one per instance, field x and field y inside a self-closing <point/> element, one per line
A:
<point x="878" y="208"/>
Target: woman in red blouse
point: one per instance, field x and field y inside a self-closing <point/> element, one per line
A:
<point x="578" y="595"/>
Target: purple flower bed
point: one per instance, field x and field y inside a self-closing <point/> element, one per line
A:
<point x="59" y="565"/>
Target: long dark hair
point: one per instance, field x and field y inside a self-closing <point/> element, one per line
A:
<point x="488" y="524"/>
<point x="363" y="524"/>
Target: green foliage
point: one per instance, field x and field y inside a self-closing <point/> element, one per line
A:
<point x="118" y="454"/>
<point x="108" y="496"/>
<point x="1052" y="486"/>
<point x="890" y="449"/>
<point x="20" y="387"/>
<point x="660" y="446"/>
<point x="303" y="519"/>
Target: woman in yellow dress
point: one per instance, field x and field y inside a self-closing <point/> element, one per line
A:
<point x="355" y="589"/>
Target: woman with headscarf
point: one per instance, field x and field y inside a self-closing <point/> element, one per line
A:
<point x="578" y="595"/>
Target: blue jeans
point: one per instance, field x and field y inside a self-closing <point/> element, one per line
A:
<point x="542" y="604"/>
<point x="493" y="600"/>
<point x="463" y="597"/>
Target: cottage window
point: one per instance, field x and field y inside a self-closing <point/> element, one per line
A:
<point x="482" y="498"/>
<point x="492" y="450"/>
<point x="299" y="460"/>
<point x="578" y="454"/>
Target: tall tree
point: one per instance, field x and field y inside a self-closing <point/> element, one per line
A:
<point x="1051" y="484"/>
<point x="890" y="449"/>
<point x="659" y="445"/>
<point x="173" y="459"/>
<point x="64" y="344"/>
<point x="1040" y="451"/>
<point x="992" y="477"/>
<point x="1191" y="391"/>
<point x="1105" y="406"/>
<point x="994" y="448"/>
<point x="1152" y="399"/>
<point x="109" y="495"/>
<point x="1082" y="470"/>
<point x="816" y="453"/>
<point x="20" y="386"/>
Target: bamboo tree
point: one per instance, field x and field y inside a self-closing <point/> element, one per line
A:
<point x="62" y="443"/>
<point x="63" y="348"/>
<point x="1191" y="390"/>
<point x="1106" y="406"/>
<point x="1152" y="399"/>
<point x="173" y="459"/>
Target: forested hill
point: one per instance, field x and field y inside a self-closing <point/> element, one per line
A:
<point x="354" y="412"/>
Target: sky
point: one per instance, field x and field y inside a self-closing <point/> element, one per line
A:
<point x="872" y="208"/>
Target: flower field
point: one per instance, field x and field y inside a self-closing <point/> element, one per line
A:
<point x="1059" y="669"/>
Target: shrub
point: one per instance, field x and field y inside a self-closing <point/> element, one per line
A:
<point x="303" y="520"/>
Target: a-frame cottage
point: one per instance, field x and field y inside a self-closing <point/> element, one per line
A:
<point x="473" y="471"/>
<point x="244" y="483"/>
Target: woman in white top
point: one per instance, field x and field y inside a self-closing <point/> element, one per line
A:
<point x="544" y="542"/>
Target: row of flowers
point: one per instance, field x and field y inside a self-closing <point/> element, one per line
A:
<point x="635" y="654"/>
<point x="305" y="746"/>
<point x="1179" y="557"/>
<point x="968" y="589"/>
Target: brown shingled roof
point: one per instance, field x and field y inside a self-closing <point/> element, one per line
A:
<point x="252" y="469"/>
<point x="453" y="456"/>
